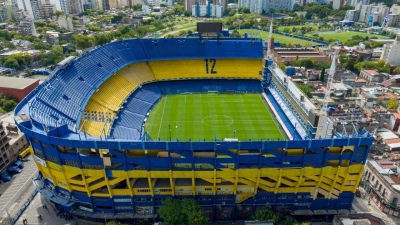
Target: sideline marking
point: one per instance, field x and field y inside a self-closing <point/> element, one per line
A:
<point x="162" y="115"/>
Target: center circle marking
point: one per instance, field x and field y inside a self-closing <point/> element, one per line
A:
<point x="217" y="121"/>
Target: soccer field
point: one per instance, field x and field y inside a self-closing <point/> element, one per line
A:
<point x="210" y="115"/>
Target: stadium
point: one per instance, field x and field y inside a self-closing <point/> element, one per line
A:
<point x="126" y="125"/>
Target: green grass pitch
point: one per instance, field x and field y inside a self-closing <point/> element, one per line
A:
<point x="212" y="116"/>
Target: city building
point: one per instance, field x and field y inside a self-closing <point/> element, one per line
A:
<point x="103" y="4"/>
<point x="46" y="10"/>
<point x="65" y="22"/>
<point x="373" y="14"/>
<point x="372" y="76"/>
<point x="209" y="10"/>
<point x="337" y="3"/>
<point x="27" y="28"/>
<point x="392" y="20"/>
<point x="382" y="182"/>
<point x="352" y="15"/>
<point x="17" y="87"/>
<point x="391" y="52"/>
<point x="276" y="5"/>
<point x="16" y="138"/>
<point x="30" y="8"/>
<point x="75" y="7"/>
<point x="290" y="55"/>
<point x="258" y="6"/>
<point x="255" y="6"/>
<point x="190" y="3"/>
<point x="5" y="12"/>
<point x="6" y="154"/>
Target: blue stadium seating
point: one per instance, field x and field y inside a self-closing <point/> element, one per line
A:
<point x="126" y="133"/>
<point x="130" y="119"/>
<point x="149" y="93"/>
<point x="135" y="110"/>
<point x="138" y="106"/>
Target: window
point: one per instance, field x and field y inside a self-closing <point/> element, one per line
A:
<point x="394" y="201"/>
<point x="53" y="159"/>
<point x="384" y="192"/>
<point x="373" y="178"/>
<point x="36" y="141"/>
<point x="70" y="162"/>
<point x="380" y="187"/>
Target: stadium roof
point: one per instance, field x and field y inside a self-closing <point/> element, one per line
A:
<point x="16" y="83"/>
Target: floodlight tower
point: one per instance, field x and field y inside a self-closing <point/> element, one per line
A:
<point x="324" y="122"/>
<point x="270" y="41"/>
<point x="267" y="63"/>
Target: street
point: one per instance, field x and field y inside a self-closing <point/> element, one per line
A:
<point x="15" y="193"/>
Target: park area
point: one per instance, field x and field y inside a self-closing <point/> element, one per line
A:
<point x="277" y="37"/>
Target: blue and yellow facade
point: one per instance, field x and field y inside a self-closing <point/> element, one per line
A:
<point x="92" y="175"/>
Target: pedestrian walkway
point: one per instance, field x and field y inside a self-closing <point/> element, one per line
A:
<point x="374" y="209"/>
<point x="40" y="206"/>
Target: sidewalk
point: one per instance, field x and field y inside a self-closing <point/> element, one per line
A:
<point x="374" y="209"/>
<point x="49" y="215"/>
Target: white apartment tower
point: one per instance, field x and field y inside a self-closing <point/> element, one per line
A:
<point x="391" y="52"/>
<point x="255" y="6"/>
<point x="377" y="10"/>
<point x="277" y="5"/>
<point x="30" y="8"/>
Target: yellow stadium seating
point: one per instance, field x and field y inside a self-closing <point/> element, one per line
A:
<point x="96" y="128"/>
<point x="137" y="73"/>
<point x="206" y="68"/>
<point x="112" y="93"/>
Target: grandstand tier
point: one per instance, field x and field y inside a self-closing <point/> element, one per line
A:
<point x="85" y="127"/>
<point x="201" y="68"/>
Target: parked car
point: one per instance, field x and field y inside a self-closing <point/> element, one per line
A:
<point x="13" y="170"/>
<point x="5" y="177"/>
<point x="18" y="164"/>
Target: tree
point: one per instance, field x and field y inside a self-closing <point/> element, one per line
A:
<point x="22" y="58"/>
<point x="286" y="30"/>
<point x="306" y="90"/>
<point x="171" y="212"/>
<point x="307" y="63"/>
<point x="9" y="105"/>
<point x="265" y="214"/>
<point x="187" y="212"/>
<point x="113" y="222"/>
<point x="11" y="63"/>
<point x="322" y="77"/>
<point x="392" y="103"/>
<point x="396" y="70"/>
<point x="137" y="7"/>
<point x="193" y="211"/>
<point x="282" y="66"/>
<point x="103" y="38"/>
<point x="84" y="41"/>
<point x="182" y="33"/>
<point x="235" y="34"/>
<point x="59" y="13"/>
<point x="27" y="71"/>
